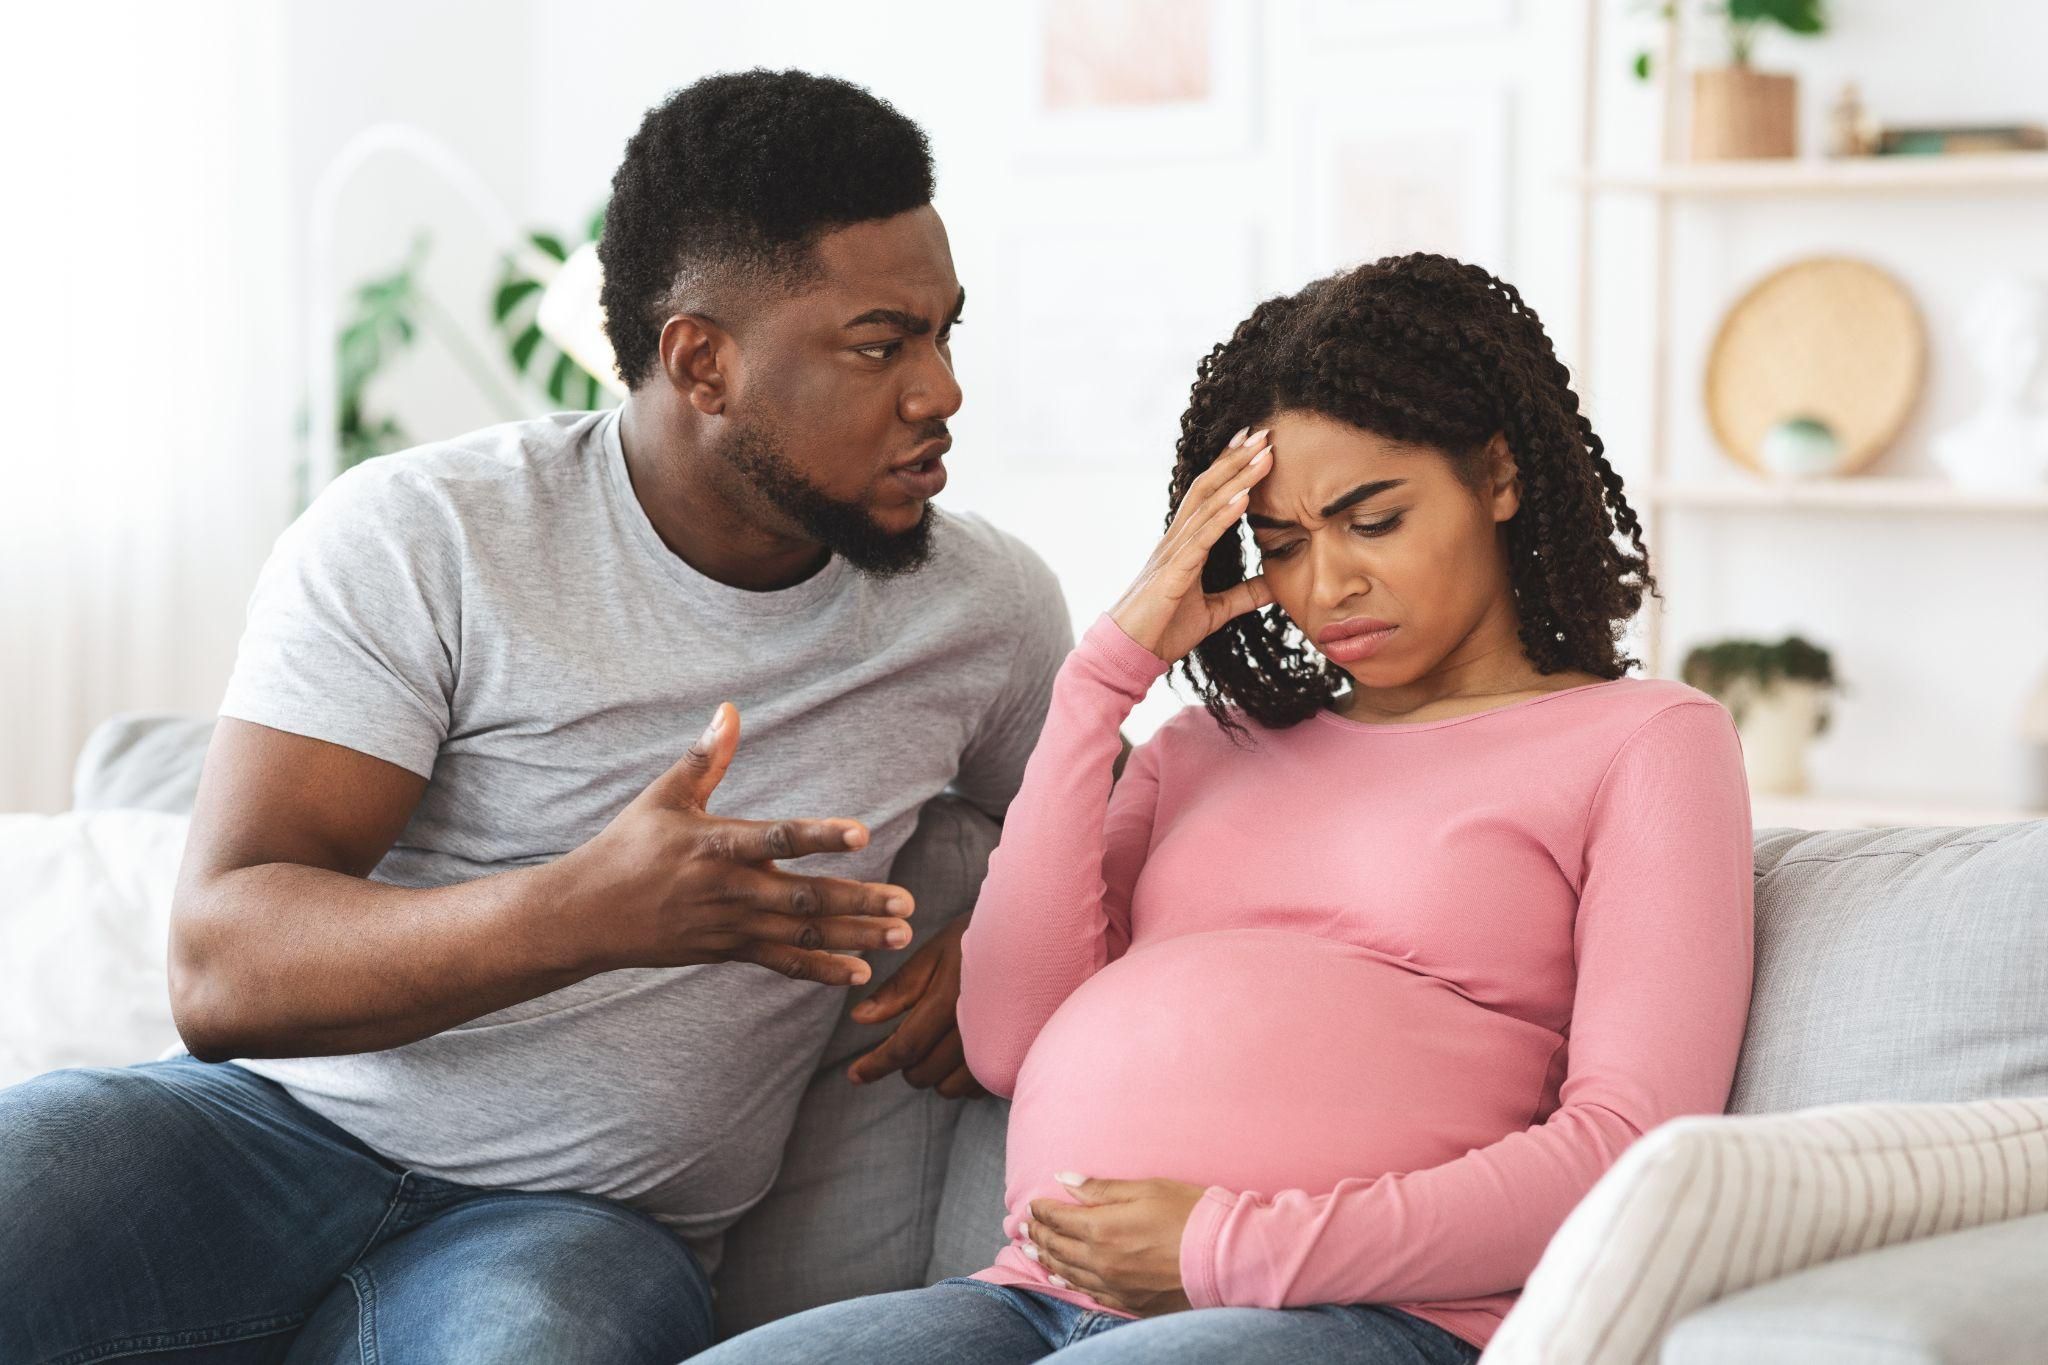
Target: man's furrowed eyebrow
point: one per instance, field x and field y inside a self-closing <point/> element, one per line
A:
<point x="1349" y="500"/>
<point x="897" y="318"/>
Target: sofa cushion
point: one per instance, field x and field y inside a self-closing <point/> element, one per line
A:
<point x="1705" y="1206"/>
<point x="1965" y="1298"/>
<point x="141" y="761"/>
<point x="970" y="1224"/>
<point x="1898" y="964"/>
<point x="854" y="1207"/>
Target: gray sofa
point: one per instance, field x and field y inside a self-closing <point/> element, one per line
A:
<point x="1903" y="964"/>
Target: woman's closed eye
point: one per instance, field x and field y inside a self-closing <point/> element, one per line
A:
<point x="1361" y="528"/>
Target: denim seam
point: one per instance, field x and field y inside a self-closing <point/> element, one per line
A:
<point x="246" y="1330"/>
<point x="365" y="1287"/>
<point x="390" y="1209"/>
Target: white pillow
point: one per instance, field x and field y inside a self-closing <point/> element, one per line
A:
<point x="1704" y="1206"/>
<point x="85" y="913"/>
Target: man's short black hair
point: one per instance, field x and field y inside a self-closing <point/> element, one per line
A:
<point x="734" y="179"/>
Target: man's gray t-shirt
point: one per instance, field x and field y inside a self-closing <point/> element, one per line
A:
<point x="497" y="614"/>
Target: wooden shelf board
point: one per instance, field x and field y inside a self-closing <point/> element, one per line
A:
<point x="1848" y="175"/>
<point x="1849" y="494"/>
<point x="1815" y="811"/>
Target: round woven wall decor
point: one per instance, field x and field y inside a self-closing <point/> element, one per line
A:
<point x="1829" y="338"/>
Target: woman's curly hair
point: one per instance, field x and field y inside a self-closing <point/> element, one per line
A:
<point x="1425" y="349"/>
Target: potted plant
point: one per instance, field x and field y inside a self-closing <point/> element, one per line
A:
<point x="1779" y="693"/>
<point x="1737" y="111"/>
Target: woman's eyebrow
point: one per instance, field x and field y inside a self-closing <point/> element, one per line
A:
<point x="1349" y="500"/>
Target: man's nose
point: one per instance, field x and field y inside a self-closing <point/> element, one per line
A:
<point x="935" y="394"/>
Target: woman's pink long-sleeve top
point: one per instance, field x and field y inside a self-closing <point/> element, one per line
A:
<point x="1395" y="995"/>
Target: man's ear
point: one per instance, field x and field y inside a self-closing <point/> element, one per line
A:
<point x="695" y="354"/>
<point x="1504" y="477"/>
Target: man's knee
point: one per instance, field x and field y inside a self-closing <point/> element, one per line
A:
<point x="75" y="1140"/>
<point x="565" y="1278"/>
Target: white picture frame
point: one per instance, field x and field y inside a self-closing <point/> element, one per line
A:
<point x="1401" y="170"/>
<point x="1345" y="20"/>
<point x="1116" y="80"/>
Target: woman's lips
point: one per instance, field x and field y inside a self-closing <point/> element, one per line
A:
<point x="1361" y="637"/>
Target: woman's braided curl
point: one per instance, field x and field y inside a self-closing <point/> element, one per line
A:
<point x="1424" y="349"/>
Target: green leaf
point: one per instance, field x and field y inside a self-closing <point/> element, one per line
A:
<point x="548" y="242"/>
<point x="593" y="392"/>
<point x="508" y="297"/>
<point x="558" y="379"/>
<point x="1641" y="66"/>
<point x="522" y="349"/>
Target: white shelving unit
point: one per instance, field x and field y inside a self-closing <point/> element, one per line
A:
<point x="1676" y="181"/>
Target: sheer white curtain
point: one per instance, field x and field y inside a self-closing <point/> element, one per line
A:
<point x="149" y="363"/>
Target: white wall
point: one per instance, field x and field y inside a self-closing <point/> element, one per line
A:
<point x="540" y="95"/>
<point x="149" y="409"/>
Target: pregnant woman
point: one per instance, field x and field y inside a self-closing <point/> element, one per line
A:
<point x="1318" y="1024"/>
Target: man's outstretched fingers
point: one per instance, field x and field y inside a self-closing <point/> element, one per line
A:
<point x="693" y="777"/>
<point x="798" y="964"/>
<point x="809" y="929"/>
<point x="763" y="841"/>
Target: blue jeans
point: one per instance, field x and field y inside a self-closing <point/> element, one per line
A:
<point x="194" y="1212"/>
<point x="962" y="1321"/>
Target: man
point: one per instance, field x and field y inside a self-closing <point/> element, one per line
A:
<point x="522" y="984"/>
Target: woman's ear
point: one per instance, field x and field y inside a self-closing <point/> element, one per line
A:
<point x="694" y="353"/>
<point x="1504" y="477"/>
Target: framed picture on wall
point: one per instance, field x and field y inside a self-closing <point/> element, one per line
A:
<point x="1114" y="79"/>
<point x="1342" y="19"/>
<point x="1397" y="171"/>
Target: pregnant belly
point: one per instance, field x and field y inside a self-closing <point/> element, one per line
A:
<point x="1265" y="1060"/>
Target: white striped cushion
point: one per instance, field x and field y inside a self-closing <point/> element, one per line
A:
<point x="1705" y="1206"/>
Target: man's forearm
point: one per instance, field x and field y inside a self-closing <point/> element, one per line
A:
<point x="283" y="960"/>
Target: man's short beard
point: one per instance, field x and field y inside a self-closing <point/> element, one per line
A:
<point x="846" y="529"/>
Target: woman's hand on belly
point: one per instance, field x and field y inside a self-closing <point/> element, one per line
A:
<point x="1120" y="1242"/>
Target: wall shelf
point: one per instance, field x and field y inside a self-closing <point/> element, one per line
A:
<point x="1814" y="811"/>
<point x="1962" y="172"/>
<point x="1846" y="494"/>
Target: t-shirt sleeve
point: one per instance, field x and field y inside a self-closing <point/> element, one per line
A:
<point x="992" y="768"/>
<point x="1663" y="940"/>
<point x="352" y="629"/>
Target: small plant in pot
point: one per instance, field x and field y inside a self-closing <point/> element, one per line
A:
<point x="1739" y="112"/>
<point x="1779" y="692"/>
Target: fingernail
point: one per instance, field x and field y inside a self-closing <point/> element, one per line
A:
<point x="1261" y="433"/>
<point x="853" y="838"/>
<point x="1238" y="439"/>
<point x="898" y="905"/>
<point x="1069" y="1178"/>
<point x="1059" y="1283"/>
<point x="711" y="730"/>
<point x="898" y="937"/>
<point x="1031" y="1251"/>
<point x="1024" y="1229"/>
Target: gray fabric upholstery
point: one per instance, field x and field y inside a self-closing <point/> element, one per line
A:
<point x="856" y="1205"/>
<point x="1905" y="964"/>
<point x="1899" y="964"/>
<point x="970" y="1226"/>
<point x="141" y="761"/>
<point x="1966" y="1298"/>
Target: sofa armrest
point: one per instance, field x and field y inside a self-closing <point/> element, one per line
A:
<point x="1963" y="1298"/>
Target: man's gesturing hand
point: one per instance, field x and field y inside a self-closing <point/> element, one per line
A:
<point x="677" y="886"/>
